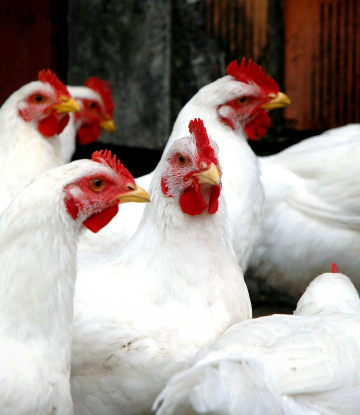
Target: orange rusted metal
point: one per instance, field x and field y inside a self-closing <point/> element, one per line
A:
<point x="322" y="54"/>
<point x="322" y="63"/>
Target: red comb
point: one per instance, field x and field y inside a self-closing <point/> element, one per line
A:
<point x="252" y="73"/>
<point x="106" y="156"/>
<point x="334" y="268"/>
<point x="197" y="128"/>
<point x="49" y="77"/>
<point x="104" y="89"/>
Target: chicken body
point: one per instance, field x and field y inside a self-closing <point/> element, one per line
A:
<point x="306" y="364"/>
<point x="218" y="105"/>
<point x="38" y="243"/>
<point x="311" y="212"/>
<point x="143" y="312"/>
<point x="25" y="150"/>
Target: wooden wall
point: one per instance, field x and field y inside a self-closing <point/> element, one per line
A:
<point x="322" y="62"/>
<point x="240" y="27"/>
<point x="33" y="36"/>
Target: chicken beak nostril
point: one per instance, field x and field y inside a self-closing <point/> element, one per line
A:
<point x="67" y="104"/>
<point x="280" y="100"/>
<point x="211" y="176"/>
<point x="131" y="186"/>
<point x="135" y="194"/>
<point x="204" y="166"/>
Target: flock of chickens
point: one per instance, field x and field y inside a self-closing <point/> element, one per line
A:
<point x="144" y="308"/>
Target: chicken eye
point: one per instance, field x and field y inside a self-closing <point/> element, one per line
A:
<point x="38" y="99"/>
<point x="242" y="101"/>
<point x="92" y="105"/>
<point x="181" y="160"/>
<point x="97" y="185"/>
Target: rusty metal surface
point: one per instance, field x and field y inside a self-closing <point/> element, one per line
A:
<point x="322" y="53"/>
<point x="322" y="63"/>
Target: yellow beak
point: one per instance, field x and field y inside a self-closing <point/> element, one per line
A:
<point x="67" y="105"/>
<point x="137" y="195"/>
<point x="210" y="176"/>
<point x="277" y="101"/>
<point x="108" y="125"/>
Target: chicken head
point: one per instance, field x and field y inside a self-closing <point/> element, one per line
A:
<point x="47" y="104"/>
<point x="96" y="198"/>
<point x="193" y="173"/>
<point x="249" y="109"/>
<point x="96" y="111"/>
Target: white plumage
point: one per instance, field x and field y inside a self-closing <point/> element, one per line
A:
<point x="38" y="243"/>
<point x="143" y="312"/>
<point x="302" y="364"/>
<point x="25" y="151"/>
<point x="214" y="103"/>
<point x="312" y="210"/>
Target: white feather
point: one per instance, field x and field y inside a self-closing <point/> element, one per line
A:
<point x="302" y="364"/>
<point x="312" y="210"/>
<point x="37" y="277"/>
<point x="25" y="153"/>
<point x="241" y="182"/>
<point x="143" y="312"/>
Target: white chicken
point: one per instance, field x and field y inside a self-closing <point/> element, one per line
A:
<point x="230" y="107"/>
<point x="38" y="243"/>
<point x="30" y="121"/>
<point x="312" y="210"/>
<point x="143" y="312"/>
<point x="96" y="112"/>
<point x="281" y="364"/>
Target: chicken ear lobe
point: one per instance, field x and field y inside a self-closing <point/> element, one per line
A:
<point x="192" y="201"/>
<point x="214" y="199"/>
<point x="63" y="123"/>
<point x="258" y="126"/>
<point x="49" y="126"/>
<point x="97" y="221"/>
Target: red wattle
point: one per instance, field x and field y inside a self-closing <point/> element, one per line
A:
<point x="63" y="123"/>
<point x="214" y="199"/>
<point x="49" y="126"/>
<point x="192" y="201"/>
<point x="88" y="134"/>
<point x="97" y="221"/>
<point x="258" y="126"/>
